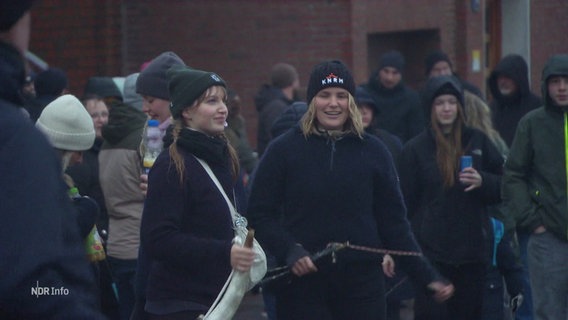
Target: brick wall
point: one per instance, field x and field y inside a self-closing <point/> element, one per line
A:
<point x="81" y="37"/>
<point x="242" y="39"/>
<point x="549" y="35"/>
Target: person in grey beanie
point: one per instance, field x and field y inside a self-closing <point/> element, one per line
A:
<point x="152" y="85"/>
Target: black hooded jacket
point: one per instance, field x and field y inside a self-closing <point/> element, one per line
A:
<point x="399" y="107"/>
<point x="508" y="110"/>
<point x="450" y="224"/>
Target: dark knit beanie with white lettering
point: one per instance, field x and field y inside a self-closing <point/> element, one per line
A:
<point x="330" y="74"/>
<point x="187" y="85"/>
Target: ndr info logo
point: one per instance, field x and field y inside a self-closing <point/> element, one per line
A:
<point x="48" y="291"/>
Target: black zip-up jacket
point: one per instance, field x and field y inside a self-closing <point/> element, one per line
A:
<point x="309" y="192"/>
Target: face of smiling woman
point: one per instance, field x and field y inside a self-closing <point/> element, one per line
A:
<point x="332" y="108"/>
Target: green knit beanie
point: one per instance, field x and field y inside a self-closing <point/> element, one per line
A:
<point x="186" y="85"/>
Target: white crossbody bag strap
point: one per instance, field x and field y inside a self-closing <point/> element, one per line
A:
<point x="234" y="213"/>
<point x="234" y="217"/>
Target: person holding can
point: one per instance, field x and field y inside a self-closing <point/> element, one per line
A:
<point x="447" y="204"/>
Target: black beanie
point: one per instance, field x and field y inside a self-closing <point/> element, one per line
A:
<point x="50" y="82"/>
<point x="102" y="87"/>
<point x="437" y="86"/>
<point x="330" y="74"/>
<point x="187" y="85"/>
<point x="362" y="97"/>
<point x="153" y="80"/>
<point x="11" y="11"/>
<point x="434" y="58"/>
<point x="393" y="59"/>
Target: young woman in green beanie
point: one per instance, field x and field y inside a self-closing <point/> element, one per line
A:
<point x="187" y="229"/>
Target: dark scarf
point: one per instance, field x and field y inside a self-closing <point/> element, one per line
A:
<point x="213" y="150"/>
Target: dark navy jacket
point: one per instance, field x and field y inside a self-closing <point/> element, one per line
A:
<point x="331" y="191"/>
<point x="187" y="231"/>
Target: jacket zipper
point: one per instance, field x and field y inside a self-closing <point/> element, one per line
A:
<point x="332" y="154"/>
<point x="566" y="157"/>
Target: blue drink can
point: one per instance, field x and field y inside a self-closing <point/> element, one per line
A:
<point x="466" y="162"/>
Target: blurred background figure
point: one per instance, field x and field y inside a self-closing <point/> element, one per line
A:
<point x="272" y="99"/>
<point x="49" y="85"/>
<point x="512" y="99"/>
<point x="236" y="132"/>
<point x="120" y="166"/>
<point x="399" y="105"/>
<point x="39" y="232"/>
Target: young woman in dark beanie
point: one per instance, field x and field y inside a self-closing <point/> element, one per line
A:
<point x="447" y="204"/>
<point x="187" y="229"/>
<point x="328" y="181"/>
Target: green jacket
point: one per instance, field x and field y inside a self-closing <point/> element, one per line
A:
<point x="535" y="179"/>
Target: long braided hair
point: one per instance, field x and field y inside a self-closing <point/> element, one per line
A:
<point x="179" y="125"/>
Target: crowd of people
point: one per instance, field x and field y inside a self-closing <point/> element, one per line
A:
<point x="364" y="197"/>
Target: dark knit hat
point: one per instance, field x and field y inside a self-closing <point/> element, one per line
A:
<point x="50" y="82"/>
<point x="283" y="75"/>
<point x="364" y="97"/>
<point x="11" y="11"/>
<point x="328" y="74"/>
<point x="153" y="80"/>
<point x="440" y="85"/>
<point x="187" y="85"/>
<point x="393" y="59"/>
<point x="102" y="87"/>
<point x="434" y="58"/>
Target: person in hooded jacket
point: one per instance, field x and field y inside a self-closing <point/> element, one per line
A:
<point x="512" y="99"/>
<point x="448" y="206"/>
<point x="512" y="96"/>
<point x="398" y="104"/>
<point x="120" y="166"/>
<point x="327" y="181"/>
<point x="370" y="114"/>
<point x="535" y="191"/>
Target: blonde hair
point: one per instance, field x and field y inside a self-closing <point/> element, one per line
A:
<point x="448" y="146"/>
<point x="179" y="124"/>
<point x="354" y="123"/>
<point x="478" y="116"/>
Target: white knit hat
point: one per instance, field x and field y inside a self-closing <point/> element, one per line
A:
<point x="67" y="124"/>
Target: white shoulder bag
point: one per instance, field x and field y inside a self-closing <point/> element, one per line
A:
<point x="238" y="283"/>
